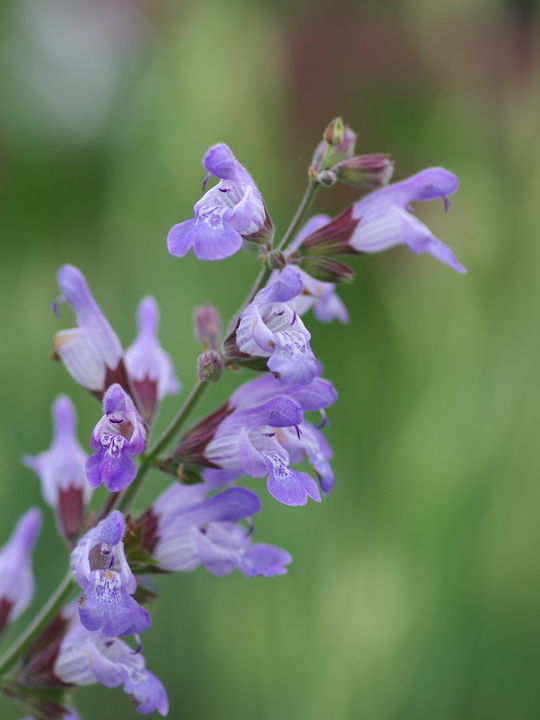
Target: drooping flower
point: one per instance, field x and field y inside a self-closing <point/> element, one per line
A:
<point x="192" y="529"/>
<point x="91" y="352"/>
<point x="118" y="436"/>
<point x="150" y="368"/>
<point x="87" y="657"/>
<point x="260" y="432"/>
<point x="383" y="219"/>
<point x="103" y="573"/>
<point x="270" y="328"/>
<point x="16" y="577"/>
<point x="227" y="214"/>
<point x="62" y="471"/>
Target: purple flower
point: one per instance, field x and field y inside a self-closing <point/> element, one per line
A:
<point x="102" y="572"/>
<point x="385" y="218"/>
<point x="150" y="368"/>
<point x="118" y="436"/>
<point x="270" y="328"/>
<point x="87" y="657"/>
<point x="16" y="578"/>
<point x="92" y="351"/>
<point x="263" y="431"/>
<point x="61" y="471"/>
<point x="225" y="215"/>
<point x="194" y="530"/>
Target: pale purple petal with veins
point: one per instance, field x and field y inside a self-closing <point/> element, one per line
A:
<point x="102" y="572"/>
<point x="16" y="577"/>
<point x="119" y="435"/>
<point x="149" y="367"/>
<point x="270" y="328"/>
<point x="62" y="470"/>
<point x="146" y="689"/>
<point x="93" y="346"/>
<point x="227" y="213"/>
<point x="318" y="394"/>
<point x="265" y="560"/>
<point x="385" y="220"/>
<point x="292" y="361"/>
<point x="106" y="605"/>
<point x="207" y="532"/>
<point x="87" y="657"/>
<point x="290" y="487"/>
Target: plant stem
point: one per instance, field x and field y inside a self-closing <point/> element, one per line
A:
<point x="38" y="624"/>
<point x="307" y="201"/>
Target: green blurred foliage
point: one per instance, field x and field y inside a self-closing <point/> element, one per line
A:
<point x="414" y="588"/>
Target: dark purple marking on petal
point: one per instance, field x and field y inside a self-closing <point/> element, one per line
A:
<point x="56" y="304"/>
<point x="324" y="422"/>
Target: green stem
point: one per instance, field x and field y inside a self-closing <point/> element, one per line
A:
<point x="305" y="205"/>
<point x="301" y="213"/>
<point x="38" y="624"/>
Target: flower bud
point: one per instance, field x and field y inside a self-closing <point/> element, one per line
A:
<point x="277" y="260"/>
<point x="343" y="150"/>
<point x="368" y="171"/>
<point x="328" y="270"/>
<point x="209" y="366"/>
<point x="334" y="132"/>
<point x="207" y="326"/>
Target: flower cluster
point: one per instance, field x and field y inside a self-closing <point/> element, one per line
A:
<point x="270" y="427"/>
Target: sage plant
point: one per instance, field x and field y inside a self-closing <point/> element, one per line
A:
<point x="204" y="517"/>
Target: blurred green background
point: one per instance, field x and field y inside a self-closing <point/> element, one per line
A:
<point x="414" y="589"/>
